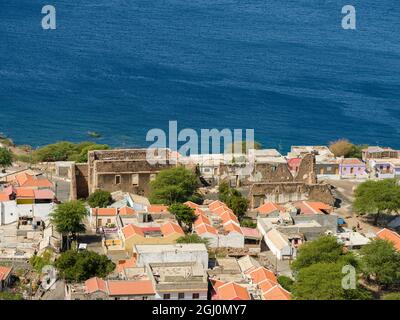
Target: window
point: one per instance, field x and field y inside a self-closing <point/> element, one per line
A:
<point x="181" y="295"/>
<point x="108" y="221"/>
<point x="167" y="296"/>
<point x="135" y="179"/>
<point x="117" y="179"/>
<point x="273" y="168"/>
<point x="152" y="176"/>
<point x="196" y="296"/>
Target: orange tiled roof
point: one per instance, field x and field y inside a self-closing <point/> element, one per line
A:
<point x="4" y="197"/>
<point x="229" y="216"/>
<point x="125" y="211"/>
<point x="95" y="284"/>
<point x="170" y="228"/>
<point x="262" y="274"/>
<point x="131" y="230"/>
<point x="232" y="291"/>
<point x="312" y="207"/>
<point x="221" y="210"/>
<point x="198" y="211"/>
<point x="157" y="208"/>
<point x="215" y="204"/>
<point x="191" y="204"/>
<point x="232" y="227"/>
<point x="354" y="161"/>
<point x="130" y="288"/>
<point x="205" y="228"/>
<point x="4" y="272"/>
<point x="202" y="219"/>
<point x="104" y="211"/>
<point x="391" y="236"/>
<point x="27" y="180"/>
<point x="25" y="193"/>
<point x="122" y="264"/>
<point x="276" y="293"/>
<point x="269" y="207"/>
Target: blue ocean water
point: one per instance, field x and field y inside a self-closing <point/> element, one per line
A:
<point x="121" y="67"/>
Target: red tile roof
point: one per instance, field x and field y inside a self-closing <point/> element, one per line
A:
<point x="122" y="264"/>
<point x="95" y="284"/>
<point x="215" y="204"/>
<point x="30" y="181"/>
<point x="269" y="207"/>
<point x="232" y="291"/>
<point x="191" y="204"/>
<point x="104" y="211"/>
<point x="130" y="288"/>
<point x="277" y="293"/>
<point x="232" y="227"/>
<point x="170" y="228"/>
<point x="4" y="272"/>
<point x="312" y="207"/>
<point x="131" y="230"/>
<point x="26" y="193"/>
<point x="157" y="208"/>
<point x="125" y="211"/>
<point x="390" y="236"/>
<point x="44" y="194"/>
<point x="205" y="228"/>
<point x="262" y="274"/>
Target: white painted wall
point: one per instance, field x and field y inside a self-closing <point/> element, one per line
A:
<point x="173" y="256"/>
<point x="10" y="211"/>
<point x="188" y="295"/>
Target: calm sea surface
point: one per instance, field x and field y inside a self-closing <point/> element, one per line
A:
<point x="121" y="67"/>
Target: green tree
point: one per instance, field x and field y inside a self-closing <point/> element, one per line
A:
<point x="341" y="147"/>
<point x="183" y="214"/>
<point x="6" y="158"/>
<point x="82" y="149"/>
<point x="174" y="185"/>
<point x="242" y="146"/>
<point x="325" y="249"/>
<point x="192" y="238"/>
<point x="247" y="223"/>
<point x="380" y="261"/>
<point x="77" y="266"/>
<point x="377" y="197"/>
<point x="323" y="281"/>
<point x="68" y="218"/>
<point x="6" y="295"/>
<point x="391" y="296"/>
<point x="100" y="199"/>
<point x="39" y="261"/>
<point x="64" y="150"/>
<point x="286" y="283"/>
<point x="233" y="199"/>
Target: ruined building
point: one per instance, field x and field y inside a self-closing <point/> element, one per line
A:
<point x="126" y="170"/>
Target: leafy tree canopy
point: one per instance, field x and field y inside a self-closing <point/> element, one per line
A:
<point x="175" y="185"/>
<point x="192" y="238"/>
<point x="391" y="296"/>
<point x="183" y="214"/>
<point x="77" y="266"/>
<point x="344" y="148"/>
<point x="6" y="158"/>
<point x="68" y="217"/>
<point x="325" y="249"/>
<point x="323" y="281"/>
<point x="233" y="199"/>
<point x="63" y="151"/>
<point x="100" y="199"/>
<point x="381" y="261"/>
<point x="242" y="146"/>
<point x="376" y="197"/>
